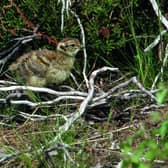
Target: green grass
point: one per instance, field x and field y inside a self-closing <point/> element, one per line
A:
<point x="131" y="27"/>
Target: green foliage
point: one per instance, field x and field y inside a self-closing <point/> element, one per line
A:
<point x="116" y="33"/>
<point x="145" y="153"/>
<point x="162" y="94"/>
<point x="115" y="30"/>
<point x="26" y="159"/>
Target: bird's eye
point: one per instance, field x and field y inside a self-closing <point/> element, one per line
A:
<point x="62" y="47"/>
<point x="72" y="45"/>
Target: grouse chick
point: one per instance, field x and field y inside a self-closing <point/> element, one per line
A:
<point x="43" y="66"/>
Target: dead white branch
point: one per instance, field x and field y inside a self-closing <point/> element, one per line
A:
<point x="35" y="117"/>
<point x="123" y="85"/>
<point x="12" y="50"/>
<point x="164" y="22"/>
<point x="65" y="8"/>
<point x="161" y="73"/>
<point x="84" y="47"/>
<point x="45" y="103"/>
<point x="102" y="98"/>
<point x="89" y="99"/>
<point x="85" y="102"/>
<point x="158" y="13"/>
<point x="42" y="90"/>
<point x="155" y="42"/>
<point x="4" y="82"/>
<point x="62" y="15"/>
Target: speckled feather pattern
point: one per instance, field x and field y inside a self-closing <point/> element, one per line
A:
<point x="43" y="66"/>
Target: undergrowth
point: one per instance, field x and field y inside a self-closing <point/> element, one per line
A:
<point x="116" y="33"/>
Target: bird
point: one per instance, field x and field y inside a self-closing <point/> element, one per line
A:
<point x="43" y="66"/>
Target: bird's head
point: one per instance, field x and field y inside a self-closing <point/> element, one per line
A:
<point x="69" y="46"/>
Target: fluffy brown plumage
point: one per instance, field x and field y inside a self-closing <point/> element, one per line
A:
<point x="43" y="66"/>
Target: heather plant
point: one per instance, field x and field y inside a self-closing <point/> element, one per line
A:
<point x="116" y="33"/>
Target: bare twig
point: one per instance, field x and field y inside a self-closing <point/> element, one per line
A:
<point x="158" y="13"/>
<point x="164" y="62"/>
<point x="65" y="8"/>
<point x="151" y="107"/>
<point x="101" y="98"/>
<point x="12" y="50"/>
<point x="62" y="15"/>
<point x="125" y="84"/>
<point x="45" y="103"/>
<point x="163" y="20"/>
<point x="6" y="157"/>
<point x="4" y="82"/>
<point x="84" y="47"/>
<point x="5" y="52"/>
<point x="74" y="79"/>
<point x="161" y="73"/>
<point x="35" y="117"/>
<point x="60" y="146"/>
<point x="155" y="42"/>
<point x="42" y="90"/>
<point x="85" y="102"/>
